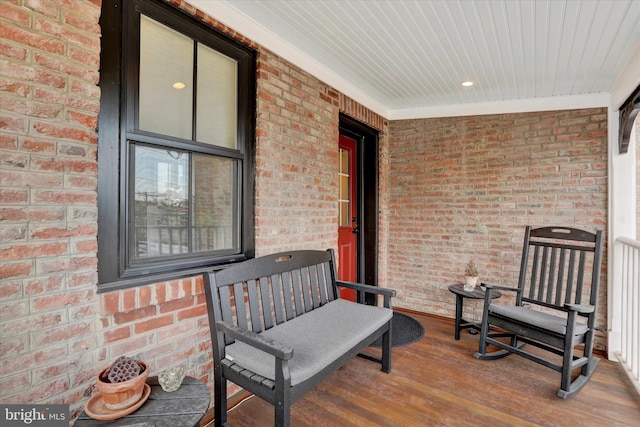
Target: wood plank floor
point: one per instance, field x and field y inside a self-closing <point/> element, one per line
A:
<point x="438" y="382"/>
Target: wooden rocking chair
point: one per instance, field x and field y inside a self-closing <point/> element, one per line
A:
<point x="559" y="277"/>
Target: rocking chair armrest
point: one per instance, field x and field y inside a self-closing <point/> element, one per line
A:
<point x="580" y="308"/>
<point x="370" y="289"/>
<point x="267" y="345"/>
<point x="499" y="288"/>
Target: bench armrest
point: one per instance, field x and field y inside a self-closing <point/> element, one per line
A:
<point x="580" y="308"/>
<point x="267" y="345"/>
<point x="369" y="289"/>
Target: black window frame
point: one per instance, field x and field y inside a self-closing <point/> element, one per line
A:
<point x="120" y="42"/>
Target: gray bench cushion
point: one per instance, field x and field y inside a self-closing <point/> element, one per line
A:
<point x="537" y="318"/>
<point x="317" y="338"/>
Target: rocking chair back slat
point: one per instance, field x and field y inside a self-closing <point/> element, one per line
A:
<point x="558" y="283"/>
<point x="572" y="263"/>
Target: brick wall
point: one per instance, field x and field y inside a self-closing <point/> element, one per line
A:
<point x="465" y="187"/>
<point x="56" y="331"/>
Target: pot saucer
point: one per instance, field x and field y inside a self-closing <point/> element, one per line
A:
<point x="96" y="408"/>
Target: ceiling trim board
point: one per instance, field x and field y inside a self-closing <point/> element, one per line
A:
<point x="552" y="103"/>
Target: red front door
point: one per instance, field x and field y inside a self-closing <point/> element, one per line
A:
<point x="347" y="219"/>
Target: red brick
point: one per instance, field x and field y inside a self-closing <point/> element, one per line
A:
<point x="25" y="325"/>
<point x="131" y="346"/>
<point x="8" y="142"/>
<point x="24" y="36"/>
<point x="46" y="338"/>
<point x="59" y="233"/>
<point x="16" y="269"/>
<point x="64" y="197"/>
<point x="110" y="303"/>
<point x="64" y="132"/>
<point x="69" y="298"/>
<point x="174" y="305"/>
<point x="14" y="87"/>
<point x="61" y="65"/>
<point x="13" y="52"/>
<point x="199" y="310"/>
<point x="16" y="382"/>
<point x="44" y="8"/>
<point x="152" y="324"/>
<point x="37" y="145"/>
<point x="117" y="334"/>
<point x="14" y="14"/>
<point x="85" y="246"/>
<point x="17" y="252"/>
<point x="24" y="72"/>
<point x="144" y="296"/>
<point x="181" y="329"/>
<point x="133" y="315"/>
<point x="43" y="285"/>
<point x="87" y="120"/>
<point x="128" y="299"/>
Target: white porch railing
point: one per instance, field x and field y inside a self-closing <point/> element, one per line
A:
<point x="629" y="354"/>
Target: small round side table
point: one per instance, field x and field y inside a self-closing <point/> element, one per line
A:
<point x="460" y="293"/>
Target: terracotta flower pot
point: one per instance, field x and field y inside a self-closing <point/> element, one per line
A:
<point x="470" y="283"/>
<point x="124" y="394"/>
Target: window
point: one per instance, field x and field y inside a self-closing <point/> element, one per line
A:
<point x="175" y="150"/>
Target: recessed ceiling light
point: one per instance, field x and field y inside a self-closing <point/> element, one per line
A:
<point x="178" y="85"/>
<point x="467" y="83"/>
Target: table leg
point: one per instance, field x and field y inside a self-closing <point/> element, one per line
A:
<point x="458" y="315"/>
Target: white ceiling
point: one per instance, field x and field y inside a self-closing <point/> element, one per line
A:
<point x="405" y="58"/>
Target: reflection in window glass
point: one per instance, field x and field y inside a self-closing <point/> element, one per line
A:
<point x="166" y="80"/>
<point x="217" y="98"/>
<point x="215" y="203"/>
<point x="165" y="220"/>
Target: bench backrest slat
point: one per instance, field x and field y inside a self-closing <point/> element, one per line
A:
<point x="238" y="304"/>
<point x="306" y="292"/>
<point x="265" y="299"/>
<point x="288" y="295"/>
<point x="254" y="306"/>
<point x="276" y="287"/>
<point x="297" y="292"/>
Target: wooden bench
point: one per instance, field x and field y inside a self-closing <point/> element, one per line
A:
<point x="279" y="327"/>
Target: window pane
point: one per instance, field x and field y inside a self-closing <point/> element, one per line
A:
<point x="161" y="217"/>
<point x="217" y="98"/>
<point x="166" y="80"/>
<point x="215" y="204"/>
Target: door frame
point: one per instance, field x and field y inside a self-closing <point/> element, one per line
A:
<point x="366" y="139"/>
